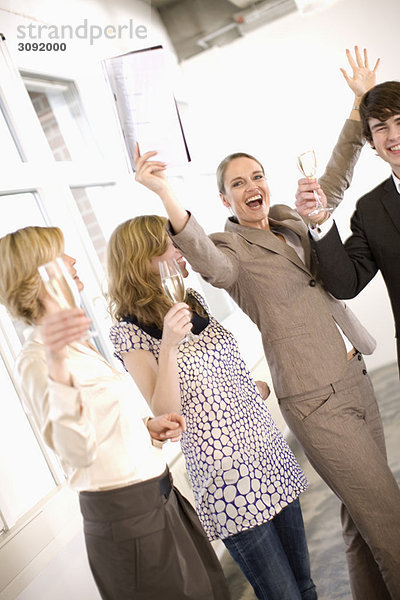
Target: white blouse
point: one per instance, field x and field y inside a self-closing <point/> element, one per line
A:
<point x="96" y="427"/>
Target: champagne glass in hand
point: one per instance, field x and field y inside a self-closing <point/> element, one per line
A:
<point x="307" y="163"/>
<point x="60" y="285"/>
<point x="173" y="286"/>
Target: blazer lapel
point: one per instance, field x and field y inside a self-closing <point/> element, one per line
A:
<point x="391" y="202"/>
<point x="266" y="239"/>
<point x="282" y="215"/>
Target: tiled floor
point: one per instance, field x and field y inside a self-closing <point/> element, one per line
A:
<point x="321" y="507"/>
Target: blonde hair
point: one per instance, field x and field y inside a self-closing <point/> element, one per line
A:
<point x="134" y="289"/>
<point x="21" y="253"/>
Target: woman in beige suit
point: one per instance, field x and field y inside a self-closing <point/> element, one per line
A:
<point x="312" y="342"/>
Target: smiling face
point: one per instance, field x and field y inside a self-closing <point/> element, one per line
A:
<point x="170" y="254"/>
<point x="246" y="192"/>
<point x="386" y="140"/>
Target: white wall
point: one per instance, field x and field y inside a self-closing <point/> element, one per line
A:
<point x="278" y="92"/>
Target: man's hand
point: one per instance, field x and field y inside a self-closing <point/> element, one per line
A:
<point x="305" y="200"/>
<point x="363" y="78"/>
<point x="167" y="427"/>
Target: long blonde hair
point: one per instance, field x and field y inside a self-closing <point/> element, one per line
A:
<point x="21" y="253"/>
<point x="134" y="289"/>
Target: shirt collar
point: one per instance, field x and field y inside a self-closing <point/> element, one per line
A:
<point x="396" y="182"/>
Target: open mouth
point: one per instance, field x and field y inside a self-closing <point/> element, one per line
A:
<point x="395" y="148"/>
<point x="254" y="201"/>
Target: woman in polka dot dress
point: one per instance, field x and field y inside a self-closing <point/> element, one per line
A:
<point x="245" y="479"/>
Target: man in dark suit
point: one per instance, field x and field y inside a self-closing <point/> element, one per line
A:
<point x="374" y="244"/>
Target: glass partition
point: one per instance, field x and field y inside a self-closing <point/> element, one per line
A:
<point x="57" y="105"/>
<point x="9" y="151"/>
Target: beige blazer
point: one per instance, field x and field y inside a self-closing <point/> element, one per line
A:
<point x="296" y="316"/>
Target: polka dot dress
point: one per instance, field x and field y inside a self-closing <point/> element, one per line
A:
<point x="241" y="469"/>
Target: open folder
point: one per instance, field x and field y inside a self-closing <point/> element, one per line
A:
<point x="145" y="105"/>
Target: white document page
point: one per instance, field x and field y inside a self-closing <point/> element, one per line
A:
<point x="146" y="106"/>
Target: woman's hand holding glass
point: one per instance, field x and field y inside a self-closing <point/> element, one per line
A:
<point x="177" y="324"/>
<point x="63" y="290"/>
<point x="57" y="331"/>
<point x="59" y="284"/>
<point x="174" y="288"/>
<point x="61" y="328"/>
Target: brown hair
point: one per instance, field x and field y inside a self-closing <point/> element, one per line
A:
<point x="134" y="288"/>
<point x="224" y="164"/>
<point x="381" y="102"/>
<point x="21" y="253"/>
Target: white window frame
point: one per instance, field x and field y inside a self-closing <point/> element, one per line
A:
<point x="30" y="543"/>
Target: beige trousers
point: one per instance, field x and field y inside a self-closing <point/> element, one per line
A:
<point x="340" y="429"/>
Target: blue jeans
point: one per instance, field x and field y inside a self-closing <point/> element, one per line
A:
<point x="274" y="557"/>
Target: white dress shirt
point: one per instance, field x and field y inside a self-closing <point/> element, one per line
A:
<point x="95" y="427"/>
<point x="396" y="182"/>
<point x="320" y="231"/>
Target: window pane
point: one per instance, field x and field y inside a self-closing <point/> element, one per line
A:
<point x="95" y="205"/>
<point x="8" y="150"/>
<point x="58" y="107"/>
<point x="24" y="473"/>
<point x="19" y="210"/>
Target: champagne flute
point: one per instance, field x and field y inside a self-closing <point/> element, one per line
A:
<point x="307" y="163"/>
<point x="60" y="286"/>
<point x="173" y="286"/>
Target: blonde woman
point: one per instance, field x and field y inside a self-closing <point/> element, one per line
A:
<point x="143" y="539"/>
<point x="245" y="480"/>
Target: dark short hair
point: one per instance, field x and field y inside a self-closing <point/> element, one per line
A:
<point x="225" y="162"/>
<point x="381" y="102"/>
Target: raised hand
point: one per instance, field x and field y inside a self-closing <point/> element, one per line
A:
<point x="63" y="327"/>
<point x="58" y="330"/>
<point x="150" y="173"/>
<point x="362" y="78"/>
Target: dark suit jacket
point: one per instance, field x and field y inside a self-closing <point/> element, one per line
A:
<point x="374" y="245"/>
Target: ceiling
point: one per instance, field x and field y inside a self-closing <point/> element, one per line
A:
<point x="196" y="25"/>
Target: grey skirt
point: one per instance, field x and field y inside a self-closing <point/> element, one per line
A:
<point x="145" y="542"/>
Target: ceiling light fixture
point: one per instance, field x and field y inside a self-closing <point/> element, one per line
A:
<point x="310" y="7"/>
